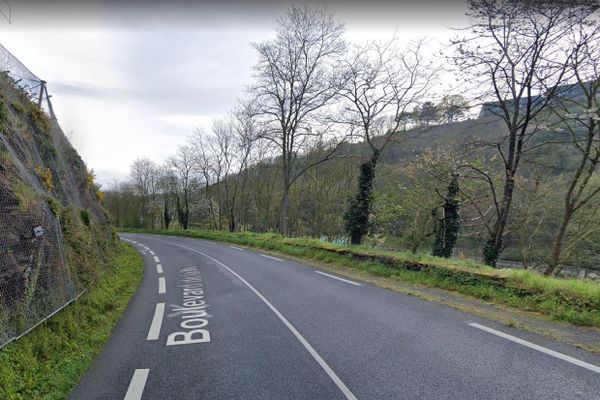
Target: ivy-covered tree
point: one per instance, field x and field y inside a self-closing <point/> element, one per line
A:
<point x="357" y="216"/>
<point x="182" y="214"/>
<point x="382" y="82"/>
<point x="449" y="224"/>
<point x="166" y="214"/>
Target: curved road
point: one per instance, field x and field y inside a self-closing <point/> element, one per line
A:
<point x="213" y="321"/>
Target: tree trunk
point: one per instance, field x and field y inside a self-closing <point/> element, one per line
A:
<point x="186" y="210"/>
<point x="357" y="216"/>
<point x="285" y="201"/>
<point x="285" y="204"/>
<point x="449" y="225"/>
<point x="231" y="221"/>
<point x="571" y="199"/>
<point x="493" y="246"/>
<point x="553" y="264"/>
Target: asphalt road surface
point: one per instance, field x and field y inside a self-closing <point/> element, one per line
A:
<point x="214" y="321"/>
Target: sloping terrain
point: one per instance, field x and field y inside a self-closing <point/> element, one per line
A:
<point x="54" y="233"/>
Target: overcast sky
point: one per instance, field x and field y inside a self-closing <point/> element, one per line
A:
<point x="133" y="80"/>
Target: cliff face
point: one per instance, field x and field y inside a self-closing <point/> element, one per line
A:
<point x="54" y="232"/>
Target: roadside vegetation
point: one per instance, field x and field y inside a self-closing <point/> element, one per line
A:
<point x="48" y="362"/>
<point x="569" y="300"/>
<point x="374" y="148"/>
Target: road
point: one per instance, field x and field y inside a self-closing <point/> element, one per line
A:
<point x="214" y="321"/>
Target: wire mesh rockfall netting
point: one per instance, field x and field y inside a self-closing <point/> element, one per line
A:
<point x="25" y="79"/>
<point x="35" y="279"/>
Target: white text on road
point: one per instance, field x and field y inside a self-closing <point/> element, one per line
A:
<point x="336" y="379"/>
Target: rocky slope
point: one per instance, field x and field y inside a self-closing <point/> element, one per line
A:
<point x="54" y="232"/>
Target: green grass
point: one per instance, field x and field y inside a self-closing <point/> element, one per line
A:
<point x="48" y="362"/>
<point x="570" y="300"/>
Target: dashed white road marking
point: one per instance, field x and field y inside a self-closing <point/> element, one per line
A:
<point x="153" y="253"/>
<point x="159" y="268"/>
<point x="539" y="348"/>
<point x="156" y="259"/>
<point x="154" y="331"/>
<point x="235" y="247"/>
<point x="338" y="382"/>
<point x="137" y="384"/>
<point x="339" y="279"/>
<point x="162" y="287"/>
<point x="272" y="258"/>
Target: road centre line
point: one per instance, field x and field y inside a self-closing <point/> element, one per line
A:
<point x="162" y="286"/>
<point x="159" y="268"/>
<point x="137" y="384"/>
<point x="156" y="259"/>
<point x="338" y="382"/>
<point x="154" y="331"/>
<point x="272" y="258"/>
<point x="539" y="348"/>
<point x="339" y="279"/>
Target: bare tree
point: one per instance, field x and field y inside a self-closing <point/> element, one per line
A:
<point x="515" y="50"/>
<point x="578" y="110"/>
<point x="209" y="170"/>
<point x="246" y="133"/>
<point x="168" y="186"/>
<point x="143" y="176"/>
<point x="182" y="164"/>
<point x="294" y="78"/>
<point x="381" y="83"/>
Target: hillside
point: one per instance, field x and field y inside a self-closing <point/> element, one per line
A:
<point x="54" y="233"/>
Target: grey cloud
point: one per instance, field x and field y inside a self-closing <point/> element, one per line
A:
<point x="80" y="89"/>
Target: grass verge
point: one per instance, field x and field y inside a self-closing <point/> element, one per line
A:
<point x="569" y="300"/>
<point x="48" y="362"/>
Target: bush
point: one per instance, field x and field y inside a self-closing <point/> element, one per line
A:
<point x="45" y="175"/>
<point x="54" y="206"/>
<point x="85" y="217"/>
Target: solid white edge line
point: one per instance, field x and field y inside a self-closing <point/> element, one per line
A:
<point x="137" y="384"/>
<point x="235" y="247"/>
<point x="156" y="259"/>
<point x="272" y="258"/>
<point x="338" y="382"/>
<point x="539" y="348"/>
<point x="154" y="331"/>
<point x="339" y="279"/>
<point x="162" y="286"/>
<point x="159" y="268"/>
